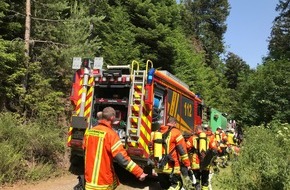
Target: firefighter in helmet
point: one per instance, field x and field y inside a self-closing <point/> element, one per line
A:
<point x="202" y="148"/>
<point x="231" y="143"/>
<point x="172" y="156"/>
<point x="222" y="140"/>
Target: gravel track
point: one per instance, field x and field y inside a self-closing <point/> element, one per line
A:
<point x="68" y="181"/>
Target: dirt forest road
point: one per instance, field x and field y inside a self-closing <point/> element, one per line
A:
<point x="68" y="181"/>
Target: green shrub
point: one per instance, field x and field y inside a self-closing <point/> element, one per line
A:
<point x="264" y="161"/>
<point x="29" y="151"/>
<point x="38" y="172"/>
<point x="10" y="163"/>
<point x="45" y="143"/>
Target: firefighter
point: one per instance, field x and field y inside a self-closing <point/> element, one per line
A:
<point x="192" y="148"/>
<point x="231" y="137"/>
<point x="80" y="185"/>
<point x="102" y="145"/>
<point x="175" y="158"/>
<point x="202" y="148"/>
<point x="231" y="143"/>
<point x="222" y="143"/>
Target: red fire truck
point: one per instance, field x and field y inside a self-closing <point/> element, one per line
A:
<point x="143" y="98"/>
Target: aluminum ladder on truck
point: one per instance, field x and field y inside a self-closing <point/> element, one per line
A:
<point x="136" y="101"/>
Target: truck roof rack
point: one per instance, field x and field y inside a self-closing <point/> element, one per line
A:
<point x="174" y="78"/>
<point x="118" y="66"/>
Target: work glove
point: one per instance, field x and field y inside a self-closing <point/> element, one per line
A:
<point x="142" y="176"/>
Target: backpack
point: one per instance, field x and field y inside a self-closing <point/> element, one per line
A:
<point x="166" y="158"/>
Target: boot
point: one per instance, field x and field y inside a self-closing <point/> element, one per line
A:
<point x="197" y="186"/>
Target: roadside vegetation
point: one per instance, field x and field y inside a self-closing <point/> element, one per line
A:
<point x="29" y="151"/>
<point x="264" y="162"/>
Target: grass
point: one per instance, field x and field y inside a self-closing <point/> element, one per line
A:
<point x="217" y="183"/>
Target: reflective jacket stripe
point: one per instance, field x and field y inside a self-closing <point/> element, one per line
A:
<point x="97" y="163"/>
<point x="130" y="166"/>
<point x="90" y="186"/>
<point x="116" y="145"/>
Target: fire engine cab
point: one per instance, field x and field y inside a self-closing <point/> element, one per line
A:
<point x="142" y="96"/>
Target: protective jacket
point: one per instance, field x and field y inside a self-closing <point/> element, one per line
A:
<point x="193" y="148"/>
<point x="221" y="139"/>
<point x="212" y="140"/>
<point x="176" y="147"/>
<point x="217" y="136"/>
<point x="102" y="145"/>
<point x="231" y="139"/>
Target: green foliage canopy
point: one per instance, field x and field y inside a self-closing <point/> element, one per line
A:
<point x="266" y="94"/>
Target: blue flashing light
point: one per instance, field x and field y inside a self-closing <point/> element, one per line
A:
<point x="150" y="76"/>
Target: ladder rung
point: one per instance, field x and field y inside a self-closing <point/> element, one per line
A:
<point x="139" y="71"/>
<point x="133" y="134"/>
<point x="137" y="94"/>
<point x="139" y="76"/>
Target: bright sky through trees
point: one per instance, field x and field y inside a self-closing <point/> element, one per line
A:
<point x="249" y="27"/>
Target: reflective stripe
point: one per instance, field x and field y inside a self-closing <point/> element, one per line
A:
<point x="176" y="170"/>
<point x="96" y="133"/>
<point x="97" y="164"/>
<point x="231" y="139"/>
<point x="195" y="166"/>
<point x="116" y="145"/>
<point x="89" y="98"/>
<point x="69" y="136"/>
<point x="180" y="137"/>
<point x="185" y="156"/>
<point x="175" y="186"/>
<point x="91" y="186"/>
<point x="217" y="136"/>
<point x="130" y="166"/>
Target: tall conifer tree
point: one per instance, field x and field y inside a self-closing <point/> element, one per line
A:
<point x="279" y="46"/>
<point x="205" y="21"/>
